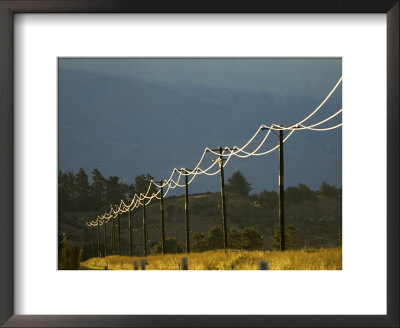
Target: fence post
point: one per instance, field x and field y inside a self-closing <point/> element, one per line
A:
<point x="263" y="265"/>
<point x="135" y="266"/>
<point x="143" y="264"/>
<point x="185" y="263"/>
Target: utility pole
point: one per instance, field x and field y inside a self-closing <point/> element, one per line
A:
<point x="144" y="229"/>
<point x="162" y="218"/>
<point x="119" y="235"/>
<point x="281" y="192"/>
<point x="223" y="205"/>
<point x="113" y="236"/>
<point x="281" y="205"/>
<point x="91" y="228"/>
<point x="187" y="214"/>
<point x="176" y="239"/>
<point x="187" y="209"/>
<point x="98" y="239"/>
<point x="130" y="232"/>
<point x="224" y="230"/>
<point x="105" y="239"/>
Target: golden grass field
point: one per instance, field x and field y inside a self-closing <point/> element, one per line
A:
<point x="304" y="259"/>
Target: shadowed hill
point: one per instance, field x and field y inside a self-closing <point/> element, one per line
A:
<point x="317" y="222"/>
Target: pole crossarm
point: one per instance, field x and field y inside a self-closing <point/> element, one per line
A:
<point x="185" y="170"/>
<point x="278" y="127"/>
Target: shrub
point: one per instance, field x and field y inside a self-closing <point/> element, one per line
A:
<point x="69" y="258"/>
<point x="215" y="238"/>
<point x="171" y="247"/>
<point x="291" y="240"/>
<point x="268" y="199"/>
<point x="234" y="238"/>
<point x="251" y="239"/>
<point x="199" y="242"/>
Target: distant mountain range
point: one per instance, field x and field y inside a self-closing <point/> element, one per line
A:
<point x="127" y="126"/>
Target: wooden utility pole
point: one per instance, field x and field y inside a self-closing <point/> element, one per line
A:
<point x="98" y="239"/>
<point x="162" y="218"/>
<point x="187" y="215"/>
<point x="105" y="238"/>
<point x="119" y="235"/>
<point x="144" y="229"/>
<point x="187" y="208"/>
<point x="91" y="228"/>
<point x="224" y="230"/>
<point x="281" y="205"/>
<point x="281" y="192"/>
<point x="130" y="232"/>
<point x="223" y="203"/>
<point x="113" y="236"/>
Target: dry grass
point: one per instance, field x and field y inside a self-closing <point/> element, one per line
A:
<point x="305" y="259"/>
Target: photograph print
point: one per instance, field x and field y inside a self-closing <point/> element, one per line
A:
<point x="199" y="164"/>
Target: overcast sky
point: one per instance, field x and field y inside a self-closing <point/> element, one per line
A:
<point x="281" y="75"/>
<point x="107" y="105"/>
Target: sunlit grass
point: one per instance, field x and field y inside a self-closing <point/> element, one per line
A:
<point x="304" y="259"/>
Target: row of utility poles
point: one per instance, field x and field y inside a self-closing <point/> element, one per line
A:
<point x="114" y="250"/>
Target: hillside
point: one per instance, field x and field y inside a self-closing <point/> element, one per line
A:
<point x="317" y="222"/>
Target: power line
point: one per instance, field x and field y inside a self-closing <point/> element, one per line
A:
<point x="144" y="199"/>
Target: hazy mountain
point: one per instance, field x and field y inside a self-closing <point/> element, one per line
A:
<point x="130" y="125"/>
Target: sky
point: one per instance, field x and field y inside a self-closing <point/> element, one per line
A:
<point x="140" y="111"/>
<point x="275" y="75"/>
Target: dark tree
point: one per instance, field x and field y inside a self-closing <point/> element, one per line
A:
<point x="237" y="183"/>
<point x="98" y="190"/>
<point x="114" y="190"/>
<point x="69" y="258"/>
<point x="329" y="190"/>
<point x="82" y="191"/>
<point x="215" y="238"/>
<point x="142" y="184"/>
<point x="251" y="239"/>
<point x="307" y="193"/>
<point x="66" y="183"/>
<point x="295" y="195"/>
<point x="291" y="240"/>
<point x="199" y="243"/>
<point x="171" y="247"/>
<point x="130" y="191"/>
<point x="234" y="238"/>
<point x="268" y="199"/>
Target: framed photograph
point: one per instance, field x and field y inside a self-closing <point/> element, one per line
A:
<point x="149" y="174"/>
<point x="212" y="216"/>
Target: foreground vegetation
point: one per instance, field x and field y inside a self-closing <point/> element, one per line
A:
<point x="315" y="214"/>
<point x="304" y="259"/>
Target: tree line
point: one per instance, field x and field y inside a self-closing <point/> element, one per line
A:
<point x="297" y="194"/>
<point x="75" y="193"/>
<point x="248" y="239"/>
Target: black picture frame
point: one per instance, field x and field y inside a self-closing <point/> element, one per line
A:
<point x="10" y="7"/>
